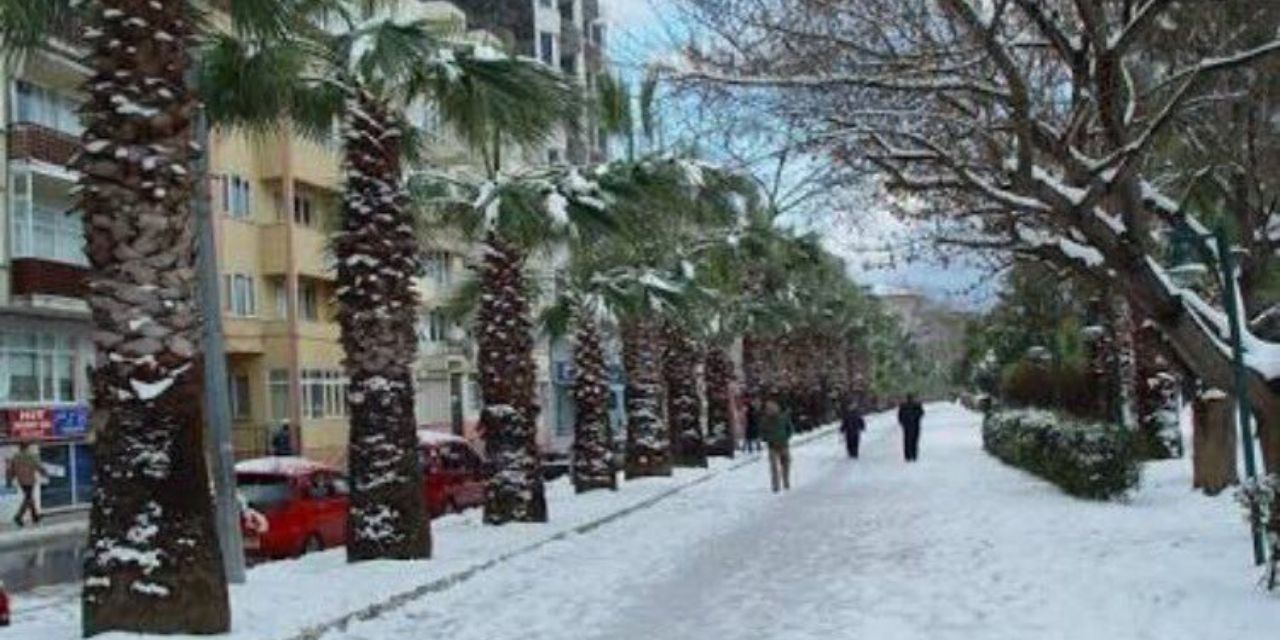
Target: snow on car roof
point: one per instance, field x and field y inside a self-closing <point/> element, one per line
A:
<point x="280" y="465"/>
<point x="431" y="436"/>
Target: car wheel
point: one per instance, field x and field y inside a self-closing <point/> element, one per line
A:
<point x="313" y="544"/>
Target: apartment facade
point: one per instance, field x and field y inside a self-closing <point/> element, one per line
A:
<point x="274" y="199"/>
<point x="45" y="349"/>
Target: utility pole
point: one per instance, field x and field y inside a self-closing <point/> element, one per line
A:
<point x="1231" y="299"/>
<point x="217" y="404"/>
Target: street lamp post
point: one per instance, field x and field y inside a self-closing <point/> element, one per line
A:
<point x="1231" y="300"/>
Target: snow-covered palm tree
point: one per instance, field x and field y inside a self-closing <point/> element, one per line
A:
<point x="365" y="66"/>
<point x="153" y="562"/>
<point x="512" y="215"/>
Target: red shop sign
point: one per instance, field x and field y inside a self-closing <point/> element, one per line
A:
<point x="30" y="424"/>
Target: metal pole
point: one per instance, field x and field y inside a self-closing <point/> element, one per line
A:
<point x="1231" y="299"/>
<point x="216" y="401"/>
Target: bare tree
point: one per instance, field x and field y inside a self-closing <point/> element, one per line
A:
<point x="1044" y="128"/>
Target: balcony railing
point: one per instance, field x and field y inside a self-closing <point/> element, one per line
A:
<point x="30" y="141"/>
<point x="39" y="276"/>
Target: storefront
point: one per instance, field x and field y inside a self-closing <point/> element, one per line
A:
<point x="43" y="403"/>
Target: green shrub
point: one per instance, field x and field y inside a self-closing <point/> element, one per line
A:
<point x="1086" y="459"/>
<point x="1064" y="386"/>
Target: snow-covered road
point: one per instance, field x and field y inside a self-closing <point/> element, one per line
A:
<point x="955" y="546"/>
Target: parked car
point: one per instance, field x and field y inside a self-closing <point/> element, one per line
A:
<point x="292" y="506"/>
<point x="454" y="473"/>
<point x="4" y="606"/>
<point x="555" y="464"/>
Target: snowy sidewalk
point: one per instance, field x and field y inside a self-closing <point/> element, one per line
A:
<point x="955" y="546"/>
<point x="302" y="598"/>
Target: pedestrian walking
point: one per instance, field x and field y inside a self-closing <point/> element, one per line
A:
<point x="910" y="413"/>
<point x="852" y="425"/>
<point x="752" y="440"/>
<point x="25" y="468"/>
<point x="282" y="441"/>
<point x="776" y="429"/>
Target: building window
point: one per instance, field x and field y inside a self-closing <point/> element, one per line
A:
<point x="434" y="327"/>
<point x="238" y="390"/>
<point x="547" y="48"/>
<point x="37" y="368"/>
<point x="45" y="107"/>
<point x="278" y="391"/>
<point x="304" y="210"/>
<point x="308" y="301"/>
<point x="553" y="156"/>
<point x="324" y="394"/>
<point x="597" y="34"/>
<point x="280" y="294"/>
<point x="237" y="196"/>
<point x="438" y="266"/>
<point x="241" y="299"/>
<point x="545" y="3"/>
<point x="41" y="230"/>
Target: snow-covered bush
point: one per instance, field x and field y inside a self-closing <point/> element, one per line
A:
<point x="1261" y="499"/>
<point x="1086" y="459"/>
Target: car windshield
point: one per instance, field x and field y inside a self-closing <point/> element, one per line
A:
<point x="263" y="491"/>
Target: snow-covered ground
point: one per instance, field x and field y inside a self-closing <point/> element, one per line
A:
<point x="954" y="546"/>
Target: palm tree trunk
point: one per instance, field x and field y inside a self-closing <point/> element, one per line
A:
<point x="719" y="376"/>
<point x="153" y="564"/>
<point x="592" y="437"/>
<point x="377" y="254"/>
<point x="684" y="405"/>
<point x="648" y="441"/>
<point x="507" y="383"/>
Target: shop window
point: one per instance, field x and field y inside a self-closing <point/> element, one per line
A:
<point x="70" y="479"/>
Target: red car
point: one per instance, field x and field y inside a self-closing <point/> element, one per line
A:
<point x="455" y="474"/>
<point x="294" y="506"/>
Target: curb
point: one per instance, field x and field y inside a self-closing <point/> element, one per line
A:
<point x="440" y="584"/>
<point x="21" y="538"/>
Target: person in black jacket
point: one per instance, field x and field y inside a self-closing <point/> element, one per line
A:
<point x="752" y="442"/>
<point x="910" y="413"/>
<point x="852" y="425"/>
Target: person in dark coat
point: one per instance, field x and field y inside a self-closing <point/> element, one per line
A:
<point x="282" y="441"/>
<point x="910" y="413"/>
<point x="752" y="442"/>
<point x="852" y="425"/>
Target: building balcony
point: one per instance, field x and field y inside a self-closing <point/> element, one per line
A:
<point x="42" y="277"/>
<point x="310" y="252"/>
<point x="29" y="141"/>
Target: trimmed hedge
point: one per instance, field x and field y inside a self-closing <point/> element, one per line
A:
<point x="1086" y="459"/>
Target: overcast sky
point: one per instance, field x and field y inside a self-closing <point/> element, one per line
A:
<point x="874" y="243"/>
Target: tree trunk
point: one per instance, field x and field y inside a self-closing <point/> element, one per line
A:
<point x="719" y="382"/>
<point x="377" y="255"/>
<point x="648" y="442"/>
<point x="1213" y="449"/>
<point x="1125" y="358"/>
<point x="1159" y="434"/>
<point x="592" y="438"/>
<point x="508" y="383"/>
<point x="684" y="405"/>
<point x="153" y="564"/>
